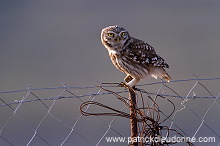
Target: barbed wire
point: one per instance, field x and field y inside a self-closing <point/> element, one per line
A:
<point x="153" y="120"/>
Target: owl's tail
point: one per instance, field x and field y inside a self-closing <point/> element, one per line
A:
<point x="165" y="76"/>
<point x="156" y="72"/>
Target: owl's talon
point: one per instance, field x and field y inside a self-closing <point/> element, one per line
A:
<point x="122" y="84"/>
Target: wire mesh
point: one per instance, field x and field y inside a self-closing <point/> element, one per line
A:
<point x="62" y="115"/>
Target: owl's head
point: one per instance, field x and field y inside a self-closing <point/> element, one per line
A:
<point x="114" y="37"/>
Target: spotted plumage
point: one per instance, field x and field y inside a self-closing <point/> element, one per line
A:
<point x="132" y="56"/>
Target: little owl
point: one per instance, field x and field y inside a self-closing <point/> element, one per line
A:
<point x="132" y="56"/>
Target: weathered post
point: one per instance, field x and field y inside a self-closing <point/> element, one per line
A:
<point x="133" y="120"/>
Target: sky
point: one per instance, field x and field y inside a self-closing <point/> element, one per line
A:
<point x="47" y="42"/>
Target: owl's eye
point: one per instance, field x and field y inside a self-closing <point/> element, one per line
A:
<point x="110" y="34"/>
<point x="122" y="34"/>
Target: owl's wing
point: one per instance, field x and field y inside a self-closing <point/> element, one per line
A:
<point x="142" y="53"/>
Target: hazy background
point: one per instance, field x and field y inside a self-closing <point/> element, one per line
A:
<point x="45" y="42"/>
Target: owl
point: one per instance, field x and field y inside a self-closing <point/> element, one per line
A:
<point x="132" y="56"/>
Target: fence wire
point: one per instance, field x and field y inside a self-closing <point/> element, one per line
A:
<point x="59" y="116"/>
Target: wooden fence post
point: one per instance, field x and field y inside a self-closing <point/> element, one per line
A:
<point x="133" y="120"/>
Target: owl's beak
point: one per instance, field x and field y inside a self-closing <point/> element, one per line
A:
<point x="117" y="39"/>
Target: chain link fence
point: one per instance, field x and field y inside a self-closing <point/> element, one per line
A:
<point x="99" y="115"/>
